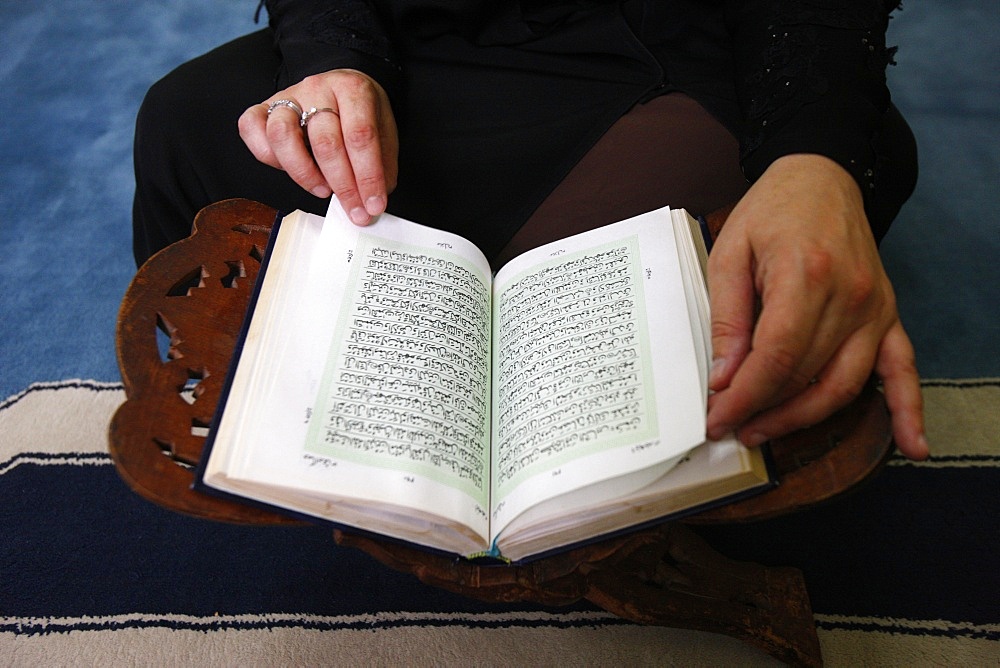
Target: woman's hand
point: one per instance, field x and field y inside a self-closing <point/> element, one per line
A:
<point x="349" y="146"/>
<point x="798" y="247"/>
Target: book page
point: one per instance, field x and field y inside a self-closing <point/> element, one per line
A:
<point x="363" y="382"/>
<point x="406" y="380"/>
<point x="595" y="370"/>
<point x="693" y="258"/>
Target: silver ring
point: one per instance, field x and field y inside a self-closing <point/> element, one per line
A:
<point x="284" y="103"/>
<point x="312" y="112"/>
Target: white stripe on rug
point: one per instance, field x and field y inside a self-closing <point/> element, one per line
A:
<point x="452" y="639"/>
<point x="65" y="422"/>
<point x="625" y="645"/>
<point x="963" y="423"/>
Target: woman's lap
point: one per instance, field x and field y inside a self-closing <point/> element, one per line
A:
<point x="188" y="154"/>
<point x="666" y="152"/>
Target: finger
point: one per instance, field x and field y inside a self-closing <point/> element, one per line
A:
<point x="781" y="342"/>
<point x="839" y="383"/>
<point x="348" y="150"/>
<point x="390" y="149"/>
<point x="284" y="134"/>
<point x="732" y="298"/>
<point x="363" y="139"/>
<point x="896" y="366"/>
<point x="252" y="127"/>
<point x="326" y="141"/>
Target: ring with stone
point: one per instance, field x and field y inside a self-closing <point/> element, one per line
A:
<point x="313" y="111"/>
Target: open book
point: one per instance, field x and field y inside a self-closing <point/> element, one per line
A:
<point x="389" y="382"/>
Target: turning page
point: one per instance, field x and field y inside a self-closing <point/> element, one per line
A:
<point x="406" y="381"/>
<point x="368" y="353"/>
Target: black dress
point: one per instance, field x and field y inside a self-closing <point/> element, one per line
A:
<point x="497" y="101"/>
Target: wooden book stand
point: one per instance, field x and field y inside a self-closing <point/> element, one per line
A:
<point x="193" y="296"/>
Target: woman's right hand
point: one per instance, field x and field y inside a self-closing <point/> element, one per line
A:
<point x="349" y="147"/>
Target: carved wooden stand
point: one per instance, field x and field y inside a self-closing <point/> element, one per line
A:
<point x="176" y="332"/>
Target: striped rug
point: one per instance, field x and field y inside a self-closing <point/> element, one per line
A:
<point x="902" y="572"/>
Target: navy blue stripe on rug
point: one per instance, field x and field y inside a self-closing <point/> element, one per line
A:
<point x="83" y="544"/>
<point x="55" y="459"/>
<point x="960" y="384"/>
<point x="481" y="621"/>
<point x="935" y="629"/>
<point x="912" y="544"/>
<point x="915" y="543"/>
<point x="367" y="622"/>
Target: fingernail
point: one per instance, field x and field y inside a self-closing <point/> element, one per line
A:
<point x="359" y="216"/>
<point x="718" y="432"/>
<point x="375" y="205"/>
<point x="322" y="191"/>
<point x="754" y="440"/>
<point x="715" y="373"/>
<point x="922" y="440"/>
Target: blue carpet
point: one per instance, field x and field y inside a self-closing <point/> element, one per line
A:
<point x="942" y="250"/>
<point x="73" y="76"/>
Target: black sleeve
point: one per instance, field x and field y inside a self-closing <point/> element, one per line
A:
<point x="315" y="36"/>
<point x="810" y="77"/>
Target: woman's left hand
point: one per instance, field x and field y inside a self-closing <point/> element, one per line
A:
<point x="799" y="248"/>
